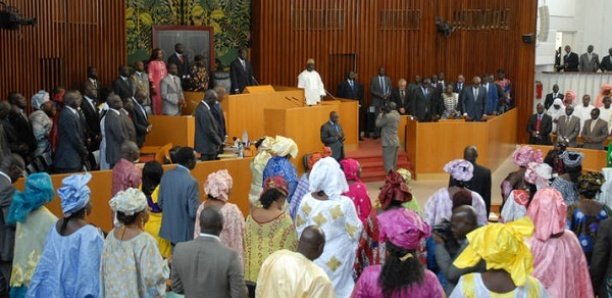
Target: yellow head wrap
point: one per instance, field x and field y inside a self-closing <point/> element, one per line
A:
<point x="283" y="146"/>
<point x="502" y="246"/>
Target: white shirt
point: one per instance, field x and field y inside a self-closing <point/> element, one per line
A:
<point x="583" y="113"/>
<point x="205" y="104"/>
<point x="606" y="115"/>
<point x="72" y="110"/>
<point x="313" y="87"/>
<point x="211" y="236"/>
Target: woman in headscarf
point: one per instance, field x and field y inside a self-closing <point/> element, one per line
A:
<point x="508" y="259"/>
<point x="218" y="188"/>
<point x="521" y="157"/>
<point x="558" y="260"/>
<point x="358" y="191"/>
<point x="556" y="110"/>
<point x="401" y="275"/>
<point x="131" y="265"/>
<point x="157" y="71"/>
<point x="151" y="177"/>
<point x="570" y="98"/>
<point x="70" y="262"/>
<point x="587" y="213"/>
<point x="565" y="182"/>
<point x="282" y="150"/>
<point x="41" y="122"/>
<point x="268" y="228"/>
<point x="411" y="204"/>
<point x="257" y="166"/>
<point x="603" y="92"/>
<point x="537" y="176"/>
<point x="303" y="186"/>
<point x="439" y="206"/>
<point x="335" y="215"/>
<point x="33" y="222"/>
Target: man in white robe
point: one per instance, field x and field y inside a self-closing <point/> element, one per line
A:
<point x="583" y="111"/>
<point x="606" y="112"/>
<point x="311" y="82"/>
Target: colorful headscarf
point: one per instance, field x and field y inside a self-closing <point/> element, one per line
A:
<point x="39" y="99"/>
<point x="283" y="146"/>
<point x="538" y="174"/>
<point x="501" y="246"/>
<point x="266" y="144"/>
<point x="394" y="189"/>
<point x="219" y="184"/>
<point x="129" y="201"/>
<point x="571" y="159"/>
<point x="351" y="169"/>
<point x="38" y="191"/>
<point x="406" y="175"/>
<point x="590" y="183"/>
<point x="460" y="169"/>
<point x="74" y="193"/>
<point x="548" y="213"/>
<point x="327" y="176"/>
<point x="523" y="155"/>
<point x="277" y="182"/>
<point x="403" y="228"/>
<point x="312" y="160"/>
<point x="570" y="97"/>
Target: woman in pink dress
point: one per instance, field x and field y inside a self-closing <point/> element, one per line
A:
<point x="358" y="191"/>
<point x="157" y="71"/>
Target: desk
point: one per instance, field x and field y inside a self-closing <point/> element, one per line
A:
<point x="178" y="130"/>
<point x="594" y="160"/>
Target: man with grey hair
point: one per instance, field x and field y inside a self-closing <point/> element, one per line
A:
<point x="208" y="142"/>
<point x="71" y="152"/>
<point x="388" y="121"/>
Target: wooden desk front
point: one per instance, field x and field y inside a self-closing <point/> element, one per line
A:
<point x="178" y="130"/>
<point x="594" y="160"/>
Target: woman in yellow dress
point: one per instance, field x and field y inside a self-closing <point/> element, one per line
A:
<point x="151" y="176"/>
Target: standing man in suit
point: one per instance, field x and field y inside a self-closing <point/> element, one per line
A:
<point x="204" y="267"/>
<point x="11" y="168"/>
<point x="400" y="96"/>
<point x="422" y="101"/>
<point x="413" y="86"/>
<point x="539" y="127"/>
<point x="122" y="86"/>
<point x="332" y="136"/>
<point x="493" y="94"/>
<point x="18" y="129"/>
<point x="458" y="86"/>
<point x="570" y="60"/>
<point x="5" y="150"/>
<point x="172" y="93"/>
<point x="207" y="139"/>
<point x="71" y="152"/>
<point x="589" y="61"/>
<point x="182" y="63"/>
<point x="93" y="132"/>
<point x="595" y="131"/>
<point x="474" y="101"/>
<point x="351" y="89"/>
<point x="139" y="117"/>
<point x="179" y="198"/>
<point x="217" y="111"/>
<point x="140" y="82"/>
<point x="92" y="79"/>
<point x="114" y="130"/>
<point x="241" y="73"/>
<point x="606" y="62"/>
<point x="568" y="127"/>
<point x="380" y="89"/>
<point x="481" y="180"/>
<point x="550" y="97"/>
<point x="388" y="121"/>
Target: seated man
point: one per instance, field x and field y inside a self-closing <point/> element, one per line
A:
<point x="595" y="131"/>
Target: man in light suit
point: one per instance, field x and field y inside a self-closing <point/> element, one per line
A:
<point x="423" y="102"/>
<point x="589" y="61"/>
<point x="11" y="169"/>
<point x="568" y="127"/>
<point x="122" y="86"/>
<point x="400" y="96"/>
<point x="207" y="138"/>
<point x="595" y="131"/>
<point x="204" y="267"/>
<point x="139" y="117"/>
<point x="182" y="64"/>
<point x="380" y="89"/>
<point x="71" y="153"/>
<point x="241" y="73"/>
<point x="388" y="121"/>
<point x="115" y="132"/>
<point x="570" y="60"/>
<point x="179" y="198"/>
<point x="539" y="127"/>
<point x="172" y="93"/>
<point x="140" y="82"/>
<point x="332" y="136"/>
<point x="474" y="101"/>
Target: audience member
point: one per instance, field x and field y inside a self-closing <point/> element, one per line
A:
<point x="570" y="60"/>
<point x="481" y="178"/>
<point x="595" y="131"/>
<point x="450" y="99"/>
<point x="606" y="62"/>
<point x="140" y="82"/>
<point x="179" y="197"/>
<point x="11" y="168"/>
<point x="589" y="61"/>
<point x="605" y="91"/>
<point x="537" y="176"/>
<point x="282" y="150"/>
<point x="521" y="157"/>
<point x="131" y="264"/>
<point x="400" y="96"/>
<point x="311" y="82"/>
<point x="357" y="190"/>
<point x="388" y="121"/>
<point x="204" y="267"/>
<point x="93" y="131"/>
<point x="583" y="111"/>
<point x="503" y="82"/>
<point x="70" y="262"/>
<point x="92" y="79"/>
<point x="555" y="111"/>
<point x="458" y="86"/>
<point x="241" y="73"/>
<point x="566" y="181"/>
<point x="218" y="188"/>
<point x="71" y="153"/>
<point x="568" y="127"/>
<point x="474" y="101"/>
<point x="351" y="89"/>
<point x="5" y="149"/>
<point x="139" y="117"/>
<point x="172" y="92"/>
<point x="303" y="186"/>
<point x="423" y="99"/>
<point x="18" y="128"/>
<point x="180" y="59"/>
<point x="152" y="173"/>
<point x="208" y="142"/>
<point x="411" y="204"/>
<point x="157" y="72"/>
<point x="114" y="133"/>
<point x="125" y="173"/>
<point x="332" y="136"/>
<point x="601" y="266"/>
<point x="40" y="118"/>
<point x="413" y="86"/>
<point x="198" y="75"/>
<point x="57" y="97"/>
<point x="539" y="127"/>
<point x="605" y="112"/>
<point x="257" y="166"/>
<point x="380" y="90"/>
<point x="550" y="97"/>
<point x="493" y="94"/>
<point x="217" y="111"/>
<point x="123" y="86"/>
<point x="293" y="274"/>
<point x="221" y="77"/>
<point x="126" y="122"/>
<point x="268" y="228"/>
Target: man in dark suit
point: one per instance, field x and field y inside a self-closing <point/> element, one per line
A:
<point x="332" y="136"/>
<point x="114" y="131"/>
<point x="207" y="138"/>
<point x="400" y="96"/>
<point x="539" y="127"/>
<point x="570" y="60"/>
<point x="606" y="62"/>
<point x="92" y="79"/>
<point x="458" y="86"/>
<point x="474" y="101"/>
<point x="380" y="89"/>
<point x="205" y="267"/>
<point x="413" y="86"/>
<point x="241" y="73"/>
<point x="18" y="128"/>
<point x="494" y="93"/>
<point x="217" y="111"/>
<point x="139" y="117"/>
<point x="601" y="261"/>
<point x="122" y="86"/>
<point x="351" y="89"/>
<point x="5" y="150"/>
<point x="93" y="134"/>
<point x="11" y="168"/>
<point x="550" y="97"/>
<point x="424" y="105"/>
<point x="182" y="63"/>
<point x="179" y="198"/>
<point x="71" y="152"/>
<point x="481" y="179"/>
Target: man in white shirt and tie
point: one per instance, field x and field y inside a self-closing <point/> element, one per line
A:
<point x="311" y="82"/>
<point x="172" y="92"/>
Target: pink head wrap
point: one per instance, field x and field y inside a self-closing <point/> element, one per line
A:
<point x="548" y="212"/>
<point x="460" y="169"/>
<point x="570" y="97"/>
<point x="403" y="228"/>
<point x="219" y="184"/>
<point x="277" y="182"/>
<point x="350" y="168"/>
<point x="523" y="155"/>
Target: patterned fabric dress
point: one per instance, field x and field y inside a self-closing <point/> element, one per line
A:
<point x="262" y="239"/>
<point x="300" y="191"/>
<point x="199" y="79"/>
<point x="439" y="205"/>
<point x="152" y="226"/>
<point x="233" y="228"/>
<point x="369" y="250"/>
<point x="281" y="166"/>
<point x="586" y="227"/>
<point x="257" y="167"/>
<point x="567" y="190"/>
<point x="358" y="193"/>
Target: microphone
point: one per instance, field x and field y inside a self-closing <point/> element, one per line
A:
<point x="293" y="100"/>
<point x="332" y="96"/>
<point x="256" y="82"/>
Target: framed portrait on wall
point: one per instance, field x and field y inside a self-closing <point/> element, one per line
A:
<point x="197" y="40"/>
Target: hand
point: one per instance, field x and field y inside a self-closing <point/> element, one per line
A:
<point x="534" y="134"/>
<point x="468" y="118"/>
<point x="438" y="238"/>
<point x="149" y="128"/>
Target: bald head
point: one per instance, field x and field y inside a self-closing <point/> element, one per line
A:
<point x="211" y="221"/>
<point x="311" y="243"/>
<point x="470" y="153"/>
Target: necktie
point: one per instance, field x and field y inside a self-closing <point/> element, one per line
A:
<point x="402" y="93"/>
<point x="382" y="84"/>
<point x="475" y="93"/>
<point x="538" y="122"/>
<point x="181" y="59"/>
<point x="351" y="83"/>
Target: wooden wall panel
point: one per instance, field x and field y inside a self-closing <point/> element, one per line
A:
<point x="399" y="35"/>
<point x="70" y="35"/>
